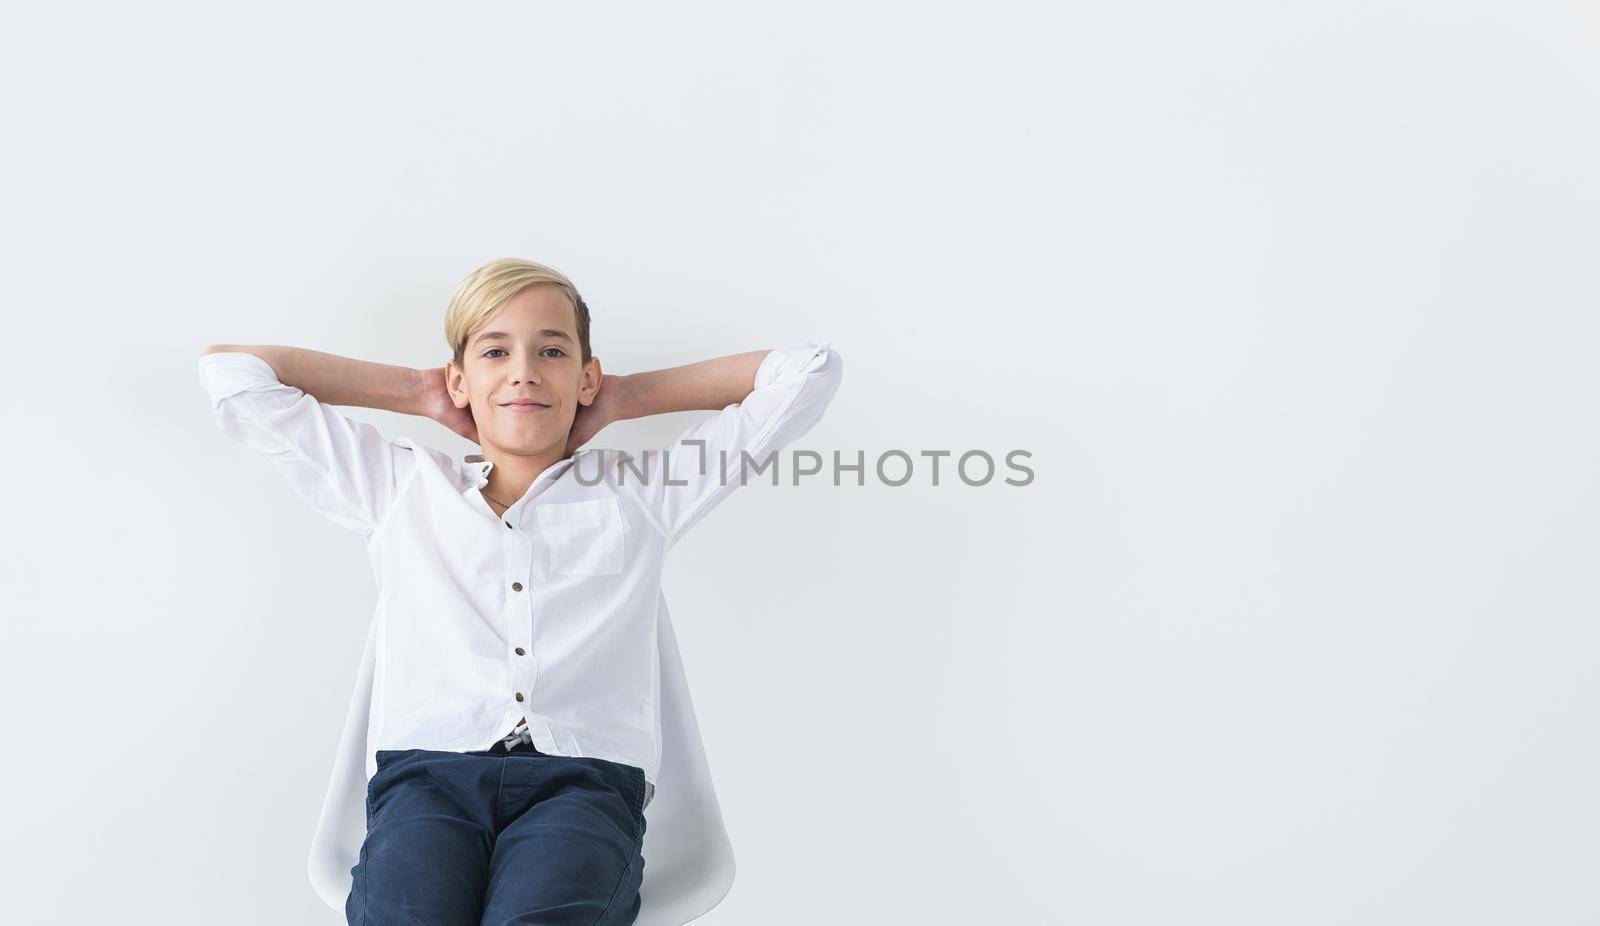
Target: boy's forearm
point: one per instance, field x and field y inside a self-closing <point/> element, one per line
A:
<point x="705" y="384"/>
<point x="335" y="380"/>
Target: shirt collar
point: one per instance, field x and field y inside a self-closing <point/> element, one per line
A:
<point x="476" y="469"/>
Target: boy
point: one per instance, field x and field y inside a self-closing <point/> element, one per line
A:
<point x="514" y="729"/>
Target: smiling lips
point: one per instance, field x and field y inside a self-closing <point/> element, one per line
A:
<point x="524" y="406"/>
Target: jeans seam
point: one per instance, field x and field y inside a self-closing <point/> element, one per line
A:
<point x="612" y="901"/>
<point x="363" y="861"/>
<point x="366" y="858"/>
<point x="638" y="842"/>
<point x="642" y="787"/>
<point x="639" y="803"/>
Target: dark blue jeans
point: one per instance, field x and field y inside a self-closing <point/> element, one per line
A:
<point x="493" y="838"/>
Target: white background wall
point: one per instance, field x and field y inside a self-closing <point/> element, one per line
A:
<point x="1293" y="305"/>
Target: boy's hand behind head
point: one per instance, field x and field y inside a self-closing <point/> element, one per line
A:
<point x="436" y="404"/>
<point x="609" y="397"/>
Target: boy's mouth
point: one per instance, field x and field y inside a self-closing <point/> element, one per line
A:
<point x="524" y="405"/>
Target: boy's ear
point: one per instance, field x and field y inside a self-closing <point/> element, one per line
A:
<point x="592" y="377"/>
<point x="455" y="385"/>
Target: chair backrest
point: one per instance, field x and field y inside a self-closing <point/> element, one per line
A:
<point x="688" y="857"/>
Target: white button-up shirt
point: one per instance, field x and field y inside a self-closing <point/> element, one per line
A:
<point x="548" y="611"/>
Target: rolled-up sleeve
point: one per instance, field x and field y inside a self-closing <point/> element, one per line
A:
<point x="345" y="469"/>
<point x="683" y="482"/>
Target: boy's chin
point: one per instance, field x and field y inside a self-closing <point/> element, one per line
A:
<point x="532" y="442"/>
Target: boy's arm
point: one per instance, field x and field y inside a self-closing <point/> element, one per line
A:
<point x="707" y="384"/>
<point x="336" y="380"/>
<point x="278" y="400"/>
<point x="767" y="400"/>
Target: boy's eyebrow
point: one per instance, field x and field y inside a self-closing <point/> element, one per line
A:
<point x="502" y="336"/>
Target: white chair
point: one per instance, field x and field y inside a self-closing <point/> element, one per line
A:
<point x="688" y="857"/>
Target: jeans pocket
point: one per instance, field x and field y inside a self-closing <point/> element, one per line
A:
<point x="638" y="802"/>
<point x="381" y="758"/>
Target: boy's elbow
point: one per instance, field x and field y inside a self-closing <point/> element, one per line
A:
<point x="824" y="381"/>
<point x="833" y="369"/>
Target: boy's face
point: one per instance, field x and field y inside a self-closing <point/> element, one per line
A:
<point x="527" y="351"/>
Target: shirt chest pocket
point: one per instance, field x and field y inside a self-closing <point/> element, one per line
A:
<point x="583" y="538"/>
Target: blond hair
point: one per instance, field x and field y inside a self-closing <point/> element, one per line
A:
<point x="487" y="288"/>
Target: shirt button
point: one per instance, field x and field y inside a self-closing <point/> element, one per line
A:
<point x="519" y="696"/>
<point x="508" y="524"/>
<point x="516" y="586"/>
<point x="520" y="652"/>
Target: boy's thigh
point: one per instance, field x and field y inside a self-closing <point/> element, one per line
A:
<point x="426" y="855"/>
<point x="573" y="856"/>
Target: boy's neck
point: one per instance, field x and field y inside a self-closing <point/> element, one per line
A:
<point x="514" y="473"/>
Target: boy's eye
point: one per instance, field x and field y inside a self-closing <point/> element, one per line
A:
<point x="558" y="351"/>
